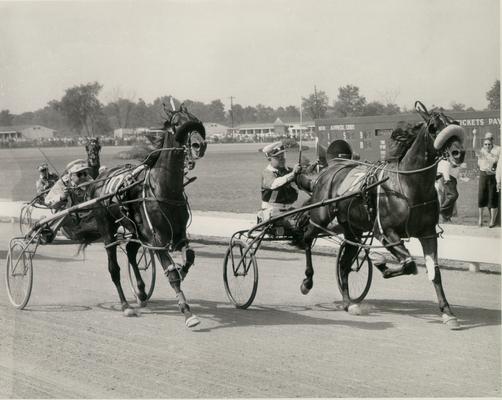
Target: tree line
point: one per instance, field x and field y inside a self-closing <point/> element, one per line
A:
<point x="80" y="112"/>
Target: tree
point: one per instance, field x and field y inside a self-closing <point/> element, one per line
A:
<point x="316" y="104"/>
<point x="265" y="113"/>
<point x="216" y="111"/>
<point x="373" y="108"/>
<point x="80" y="105"/>
<point x="493" y="96"/>
<point x="454" y="106"/>
<point x="6" y="118"/>
<point x="350" y="102"/>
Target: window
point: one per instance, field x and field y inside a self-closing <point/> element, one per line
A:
<point x="383" y="132"/>
<point x="322" y="127"/>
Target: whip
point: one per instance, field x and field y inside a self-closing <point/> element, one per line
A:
<point x="49" y="161"/>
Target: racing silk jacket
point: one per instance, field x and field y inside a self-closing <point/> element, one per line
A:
<point x="44" y="183"/>
<point x="276" y="188"/>
<point x="56" y="197"/>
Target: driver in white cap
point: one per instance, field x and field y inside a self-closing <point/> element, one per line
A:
<point x="76" y="173"/>
<point x="277" y="192"/>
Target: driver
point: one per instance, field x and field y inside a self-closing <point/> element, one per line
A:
<point x="76" y="173"/>
<point x="46" y="179"/>
<point x="277" y="191"/>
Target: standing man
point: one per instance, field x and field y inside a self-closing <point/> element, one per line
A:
<point x="446" y="185"/>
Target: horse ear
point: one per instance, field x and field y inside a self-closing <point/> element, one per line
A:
<point x="183" y="108"/>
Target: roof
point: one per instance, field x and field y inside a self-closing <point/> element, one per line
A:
<point x="18" y="128"/>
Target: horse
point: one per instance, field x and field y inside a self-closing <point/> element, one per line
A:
<point x="155" y="212"/>
<point x="92" y="148"/>
<point x="404" y="206"/>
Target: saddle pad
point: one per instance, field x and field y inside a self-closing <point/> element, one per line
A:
<point x="121" y="178"/>
<point x="352" y="181"/>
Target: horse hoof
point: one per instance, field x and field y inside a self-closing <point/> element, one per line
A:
<point x="192" y="321"/>
<point x="410" y="268"/>
<point x="357" y="309"/>
<point x="131" y="312"/>
<point x="141" y="303"/>
<point x="451" y="322"/>
<point x="304" y="289"/>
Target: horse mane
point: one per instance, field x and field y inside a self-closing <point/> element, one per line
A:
<point x="156" y="143"/>
<point x="402" y="138"/>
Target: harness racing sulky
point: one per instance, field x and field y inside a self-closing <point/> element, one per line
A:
<point x="141" y="209"/>
<point x="354" y="202"/>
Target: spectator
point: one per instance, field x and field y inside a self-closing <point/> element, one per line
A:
<point x="487" y="192"/>
<point x="446" y="185"/>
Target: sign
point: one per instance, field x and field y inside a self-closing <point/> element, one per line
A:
<point x="346" y="127"/>
<point x="479" y="121"/>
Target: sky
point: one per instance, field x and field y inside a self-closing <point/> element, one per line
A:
<point x="270" y="52"/>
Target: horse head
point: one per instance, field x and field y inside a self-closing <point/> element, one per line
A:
<point x="188" y="131"/>
<point x="92" y="147"/>
<point x="448" y="134"/>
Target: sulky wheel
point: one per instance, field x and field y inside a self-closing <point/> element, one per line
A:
<point x="19" y="272"/>
<point x="146" y="264"/>
<point x="25" y="219"/>
<point x="360" y="274"/>
<point x="240" y="274"/>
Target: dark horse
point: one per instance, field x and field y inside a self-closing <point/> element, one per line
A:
<point x="92" y="147"/>
<point x="156" y="211"/>
<point x="404" y="206"/>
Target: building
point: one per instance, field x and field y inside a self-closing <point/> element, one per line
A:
<point x="369" y="136"/>
<point x="214" y="129"/>
<point x="271" y="129"/>
<point x="25" y="132"/>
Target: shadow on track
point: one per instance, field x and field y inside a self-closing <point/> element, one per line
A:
<point x="227" y="316"/>
<point x="469" y="317"/>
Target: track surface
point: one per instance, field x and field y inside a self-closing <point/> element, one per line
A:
<point x="72" y="342"/>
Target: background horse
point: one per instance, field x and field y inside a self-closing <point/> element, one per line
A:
<point x="155" y="212"/>
<point x="92" y="147"/>
<point x="406" y="205"/>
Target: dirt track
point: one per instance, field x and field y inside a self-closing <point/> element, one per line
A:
<point x="72" y="342"/>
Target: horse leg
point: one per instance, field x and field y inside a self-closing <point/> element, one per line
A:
<point x="174" y="275"/>
<point x="429" y="246"/>
<point x="132" y="250"/>
<point x="308" y="239"/>
<point x="392" y="242"/>
<point x="348" y="257"/>
<point x="188" y="257"/>
<point x="114" y="269"/>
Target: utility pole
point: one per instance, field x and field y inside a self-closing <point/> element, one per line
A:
<point x="316" y="109"/>
<point x="232" y="111"/>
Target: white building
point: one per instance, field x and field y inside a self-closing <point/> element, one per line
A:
<point x="25" y="132"/>
<point x="213" y="129"/>
<point x="276" y="128"/>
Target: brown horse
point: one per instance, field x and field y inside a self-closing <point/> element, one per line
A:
<point x="406" y="205"/>
<point x="156" y="211"/>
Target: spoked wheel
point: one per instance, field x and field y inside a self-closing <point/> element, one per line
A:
<point x="240" y="274"/>
<point x="25" y="219"/>
<point x="19" y="272"/>
<point x="146" y="264"/>
<point x="360" y="274"/>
